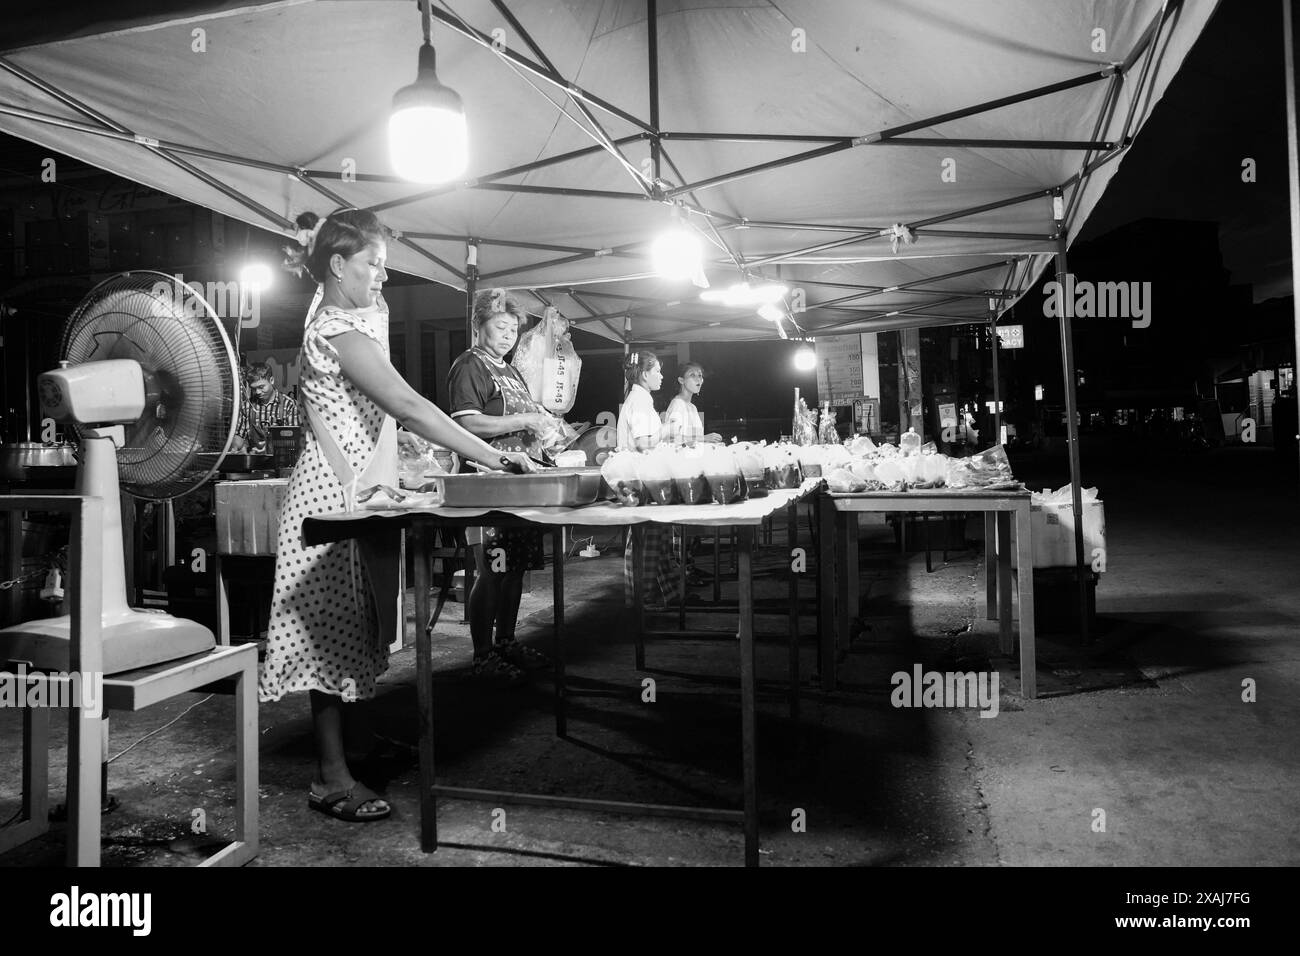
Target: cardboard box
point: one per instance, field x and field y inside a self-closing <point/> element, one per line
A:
<point x="248" y="515"/>
<point x="1052" y="527"/>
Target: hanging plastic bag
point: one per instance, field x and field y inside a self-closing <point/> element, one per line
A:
<point x="549" y="364"/>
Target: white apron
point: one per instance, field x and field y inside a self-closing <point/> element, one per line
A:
<point x="383" y="558"/>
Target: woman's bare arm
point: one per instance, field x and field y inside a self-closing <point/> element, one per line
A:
<point x="364" y="364"/>
<point x="490" y="426"/>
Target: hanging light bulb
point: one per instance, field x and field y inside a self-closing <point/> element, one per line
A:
<point x="255" y="277"/>
<point x="677" y="253"/>
<point x="805" y="359"/>
<point x="428" y="141"/>
<point x="742" y="294"/>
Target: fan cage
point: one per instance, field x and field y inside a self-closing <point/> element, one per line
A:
<point x="191" y="376"/>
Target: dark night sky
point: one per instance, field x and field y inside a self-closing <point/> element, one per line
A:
<point x="1226" y="103"/>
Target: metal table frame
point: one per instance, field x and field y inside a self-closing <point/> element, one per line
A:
<point x="420" y="526"/>
<point x="838" y="521"/>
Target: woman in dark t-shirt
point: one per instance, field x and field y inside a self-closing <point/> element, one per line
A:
<point x="490" y="399"/>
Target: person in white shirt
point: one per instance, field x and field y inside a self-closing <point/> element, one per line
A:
<point x="639" y="425"/>
<point x="640" y="429"/>
<point x="683" y="418"/>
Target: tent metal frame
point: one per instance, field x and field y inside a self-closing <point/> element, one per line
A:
<point x="1096" y="153"/>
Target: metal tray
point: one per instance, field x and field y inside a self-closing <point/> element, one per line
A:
<point x="551" y="487"/>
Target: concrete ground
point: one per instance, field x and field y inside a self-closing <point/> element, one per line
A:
<point x="1140" y="749"/>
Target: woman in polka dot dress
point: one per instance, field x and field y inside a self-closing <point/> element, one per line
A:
<point x="324" y="634"/>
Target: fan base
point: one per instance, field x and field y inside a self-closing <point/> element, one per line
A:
<point x="131" y="639"/>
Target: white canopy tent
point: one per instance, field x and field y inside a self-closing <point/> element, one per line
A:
<point x="898" y="164"/>
<point x="797" y="135"/>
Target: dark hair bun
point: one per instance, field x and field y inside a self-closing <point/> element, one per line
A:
<point x="344" y="232"/>
<point x="638" y="364"/>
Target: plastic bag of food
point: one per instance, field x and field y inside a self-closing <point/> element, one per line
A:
<point x="621" y="475"/>
<point x="723" y="474"/>
<point x="843" y="481"/>
<point x="862" y="469"/>
<point x="655" y="470"/>
<point x="749" y="458"/>
<point x="890" y="472"/>
<point x="558" y="436"/>
<point x="550" y="366"/>
<point x="861" y="446"/>
<point x="835" y="456"/>
<point x="811" y="460"/>
<point x="687" y="469"/>
<point x="418" y="460"/>
<point x="782" y="465"/>
<point x="934" y="468"/>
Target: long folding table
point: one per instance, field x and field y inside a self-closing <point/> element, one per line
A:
<point x="420" y="524"/>
<point x="838" y="523"/>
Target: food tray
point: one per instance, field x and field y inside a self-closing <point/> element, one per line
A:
<point x="551" y="487"/>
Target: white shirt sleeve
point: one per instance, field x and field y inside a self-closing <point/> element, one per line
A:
<point x="684" y="419"/>
<point x="637" y="418"/>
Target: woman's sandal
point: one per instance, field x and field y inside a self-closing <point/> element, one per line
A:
<point x="346" y="804"/>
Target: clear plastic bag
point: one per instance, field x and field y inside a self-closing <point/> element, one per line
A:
<point x="621" y="475"/>
<point x="549" y="364"/>
<point x="419" y="460"/>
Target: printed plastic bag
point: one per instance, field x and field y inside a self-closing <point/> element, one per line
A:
<point x="550" y="366"/>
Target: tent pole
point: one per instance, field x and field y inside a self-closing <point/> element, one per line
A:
<point x="627" y="352"/>
<point x="652" y="41"/>
<point x="471" y="289"/>
<point x="997" y="381"/>
<point x="1289" y="30"/>
<point x="601" y="135"/>
<point x="1066" y="307"/>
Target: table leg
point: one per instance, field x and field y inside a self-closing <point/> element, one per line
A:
<point x="223" y="603"/>
<point x="36" y="768"/>
<point x="638" y="593"/>
<point x="681" y="603"/>
<point x="1028" y="647"/>
<point x="13" y="566"/>
<point x="717" y="568"/>
<point x="826" y="593"/>
<point x="748" y="718"/>
<point x="246" y="763"/>
<point x="990" y="566"/>
<point x="1004" y="582"/>
<point x="852" y="592"/>
<point x="792" y="531"/>
<point x="557" y="627"/>
<point x="421" y="547"/>
<point x="841" y="581"/>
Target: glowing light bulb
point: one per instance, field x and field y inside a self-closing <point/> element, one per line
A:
<point x="255" y="277"/>
<point x="677" y="253"/>
<point x="428" y="140"/>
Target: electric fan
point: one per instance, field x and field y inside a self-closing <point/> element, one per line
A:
<point x="148" y="380"/>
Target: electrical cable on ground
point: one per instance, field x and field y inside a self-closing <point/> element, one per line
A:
<point x="160" y="729"/>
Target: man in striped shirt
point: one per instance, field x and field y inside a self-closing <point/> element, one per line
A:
<point x="262" y="408"/>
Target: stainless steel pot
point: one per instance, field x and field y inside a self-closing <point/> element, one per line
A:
<point x="19" y="459"/>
